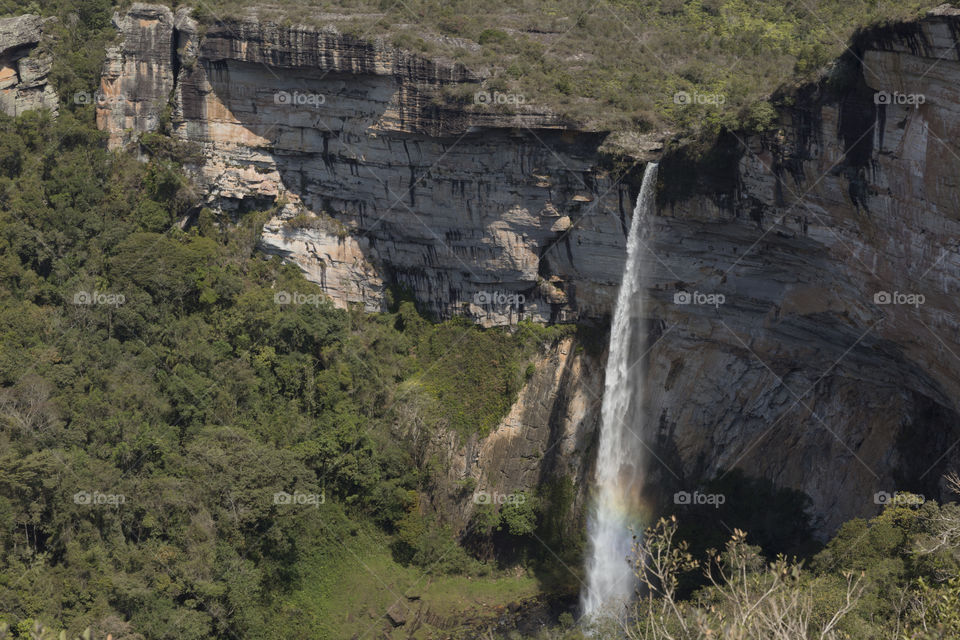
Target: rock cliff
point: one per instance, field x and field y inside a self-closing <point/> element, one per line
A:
<point x="829" y="364"/>
<point x="832" y="365"/>
<point x="543" y="441"/>
<point x="495" y="215"/>
<point x="23" y="69"/>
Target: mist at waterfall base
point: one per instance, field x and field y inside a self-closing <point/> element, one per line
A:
<point x="616" y="511"/>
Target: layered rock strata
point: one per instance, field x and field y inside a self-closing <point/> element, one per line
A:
<point x="494" y="215"/>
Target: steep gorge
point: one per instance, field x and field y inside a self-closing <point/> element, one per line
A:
<point x="799" y="378"/>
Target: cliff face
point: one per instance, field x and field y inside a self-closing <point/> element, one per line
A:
<point x="801" y="376"/>
<point x="494" y="215"/>
<point x="138" y="74"/>
<point x="832" y="367"/>
<point x="24" y="71"/>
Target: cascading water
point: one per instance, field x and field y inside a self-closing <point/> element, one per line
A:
<point x="610" y="577"/>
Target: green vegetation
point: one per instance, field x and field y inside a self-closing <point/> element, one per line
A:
<point x="79" y="35"/>
<point x="475" y="388"/>
<point x="156" y="400"/>
<point x="181" y="456"/>
<point x="343" y="578"/>
<point x="625" y="65"/>
<point x="153" y="368"/>
<point x="895" y="576"/>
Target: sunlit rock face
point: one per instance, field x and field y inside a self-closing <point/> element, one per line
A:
<point x="801" y="374"/>
<point x="477" y="212"/>
<point x="138" y="74"/>
<point x="23" y="70"/>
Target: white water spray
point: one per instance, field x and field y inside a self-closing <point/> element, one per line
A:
<point x="620" y="460"/>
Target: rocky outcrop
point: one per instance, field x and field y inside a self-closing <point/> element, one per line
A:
<point x="23" y="70"/>
<point x="138" y="74"/>
<point x="328" y="255"/>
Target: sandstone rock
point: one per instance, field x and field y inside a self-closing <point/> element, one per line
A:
<point x="138" y="74"/>
<point x="544" y="438"/>
<point x="21" y="31"/>
<point x="802" y="376"/>
<point x="340" y="263"/>
<point x="456" y="205"/>
<point x="23" y="72"/>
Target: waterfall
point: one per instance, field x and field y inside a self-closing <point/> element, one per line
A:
<point x="620" y="467"/>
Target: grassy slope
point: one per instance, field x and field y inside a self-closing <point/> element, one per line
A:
<point x="349" y="581"/>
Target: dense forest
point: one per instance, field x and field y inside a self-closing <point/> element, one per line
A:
<point x="154" y="367"/>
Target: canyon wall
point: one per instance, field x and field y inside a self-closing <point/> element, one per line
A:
<point x="832" y="364"/>
<point x="495" y="215"/>
<point x="802" y="373"/>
